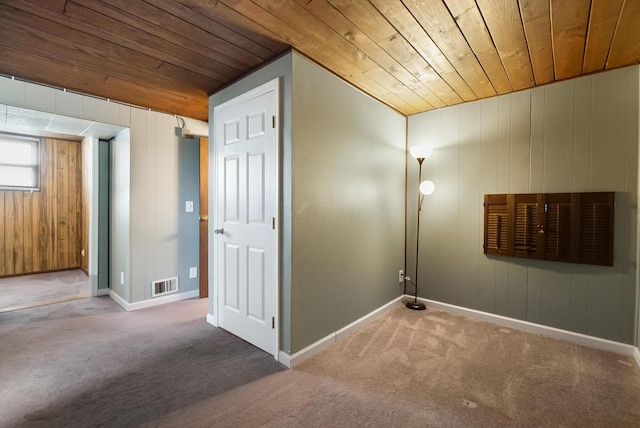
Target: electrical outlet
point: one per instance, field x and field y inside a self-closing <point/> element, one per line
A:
<point x="121" y="278"/>
<point x="400" y="276"/>
<point x="193" y="272"/>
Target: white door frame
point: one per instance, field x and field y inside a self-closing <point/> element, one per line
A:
<point x="273" y="85"/>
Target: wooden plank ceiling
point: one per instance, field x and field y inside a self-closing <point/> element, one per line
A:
<point x="413" y="55"/>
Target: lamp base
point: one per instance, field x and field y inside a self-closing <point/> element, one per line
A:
<point x="416" y="306"/>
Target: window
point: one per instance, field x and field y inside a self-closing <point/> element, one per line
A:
<point x="19" y="163"/>
<point x="565" y="227"/>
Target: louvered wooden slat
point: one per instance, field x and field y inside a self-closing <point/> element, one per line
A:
<point x="526" y="229"/>
<point x="558" y="232"/>
<point x="496" y="225"/>
<point x="595" y="234"/>
<point x="497" y="230"/>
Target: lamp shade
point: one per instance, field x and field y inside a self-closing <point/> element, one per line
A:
<point x="420" y="152"/>
<point x="427" y="187"/>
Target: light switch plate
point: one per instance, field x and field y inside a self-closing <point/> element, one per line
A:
<point x="189" y="206"/>
<point x="193" y="272"/>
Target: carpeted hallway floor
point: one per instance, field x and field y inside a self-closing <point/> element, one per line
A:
<point x="20" y="292"/>
<point x="88" y="363"/>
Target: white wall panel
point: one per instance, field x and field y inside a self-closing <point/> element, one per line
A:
<point x="12" y="92"/>
<point x="470" y="214"/>
<point x="444" y="204"/>
<point x="582" y="136"/>
<point x="69" y="104"/>
<point x="89" y="108"/>
<point x="488" y="184"/>
<point x="41" y="98"/>
<point x="536" y="172"/>
<point x="558" y="137"/>
<point x="520" y="126"/>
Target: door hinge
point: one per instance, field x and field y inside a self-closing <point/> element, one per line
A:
<point x="273" y="122"/>
<point x="273" y="223"/>
<point x="273" y="322"/>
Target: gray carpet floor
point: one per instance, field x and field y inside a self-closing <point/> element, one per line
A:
<point x="435" y="369"/>
<point x="88" y="363"/>
<point x="33" y="290"/>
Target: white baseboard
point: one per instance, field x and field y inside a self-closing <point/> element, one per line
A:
<point x="153" y="302"/>
<point x="211" y="319"/>
<point x="284" y="359"/>
<point x="556" y="333"/>
<point x="103" y="292"/>
<point x="291" y="360"/>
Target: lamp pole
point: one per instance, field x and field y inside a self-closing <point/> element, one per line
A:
<point x="415" y="305"/>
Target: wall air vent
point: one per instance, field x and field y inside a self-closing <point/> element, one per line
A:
<point x="164" y="286"/>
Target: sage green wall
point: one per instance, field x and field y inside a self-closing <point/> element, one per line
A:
<point x="342" y="199"/>
<point x="348" y="184"/>
<point x="579" y="135"/>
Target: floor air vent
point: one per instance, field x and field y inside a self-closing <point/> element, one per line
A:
<point x="164" y="286"/>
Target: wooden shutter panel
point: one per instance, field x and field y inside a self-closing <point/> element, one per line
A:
<point x="496" y="227"/>
<point x="567" y="227"/>
<point x="596" y="228"/>
<point x="526" y="225"/>
<point x="558" y="227"/>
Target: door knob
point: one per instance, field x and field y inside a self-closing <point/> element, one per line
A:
<point x="219" y="231"/>
<point x="204" y="218"/>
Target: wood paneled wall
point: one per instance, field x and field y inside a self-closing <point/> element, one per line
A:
<point x="580" y="135"/>
<point x="41" y="231"/>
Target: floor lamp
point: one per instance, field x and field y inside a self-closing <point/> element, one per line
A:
<point x="425" y="188"/>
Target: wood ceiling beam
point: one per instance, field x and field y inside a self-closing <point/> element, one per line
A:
<point x="373" y="25"/>
<point x="469" y="20"/>
<point x="603" y="19"/>
<point x="436" y="20"/>
<point x="152" y="24"/>
<point x="402" y="20"/>
<point x="44" y="70"/>
<point x="569" y="21"/>
<point x="625" y="45"/>
<point x="536" y="19"/>
<point x="323" y="10"/>
<point x="505" y="26"/>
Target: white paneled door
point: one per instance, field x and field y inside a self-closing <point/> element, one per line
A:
<point x="246" y="217"/>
